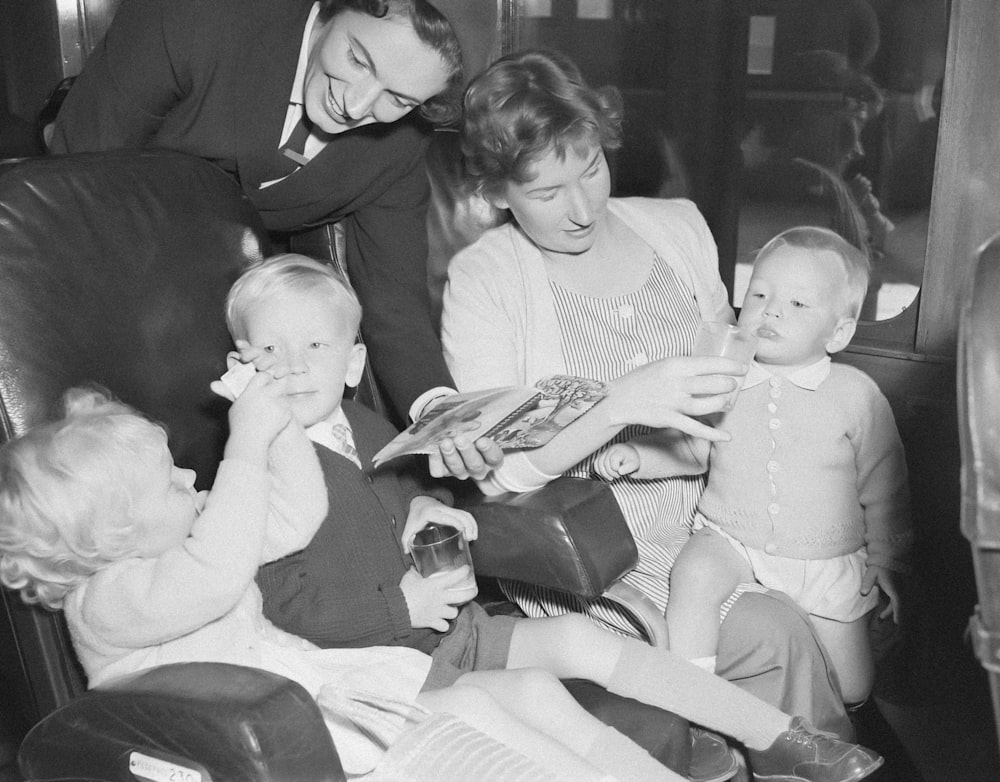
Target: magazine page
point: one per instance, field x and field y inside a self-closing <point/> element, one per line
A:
<point x="560" y="400"/>
<point x="473" y="414"/>
<point x="513" y="417"/>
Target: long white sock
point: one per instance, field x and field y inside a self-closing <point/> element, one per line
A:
<point x="663" y="679"/>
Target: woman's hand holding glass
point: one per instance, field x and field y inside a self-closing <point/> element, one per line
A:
<point x="674" y="392"/>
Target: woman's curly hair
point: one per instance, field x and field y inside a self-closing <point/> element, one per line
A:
<point x="526" y="104"/>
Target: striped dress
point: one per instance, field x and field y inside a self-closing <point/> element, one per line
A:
<point x="604" y="338"/>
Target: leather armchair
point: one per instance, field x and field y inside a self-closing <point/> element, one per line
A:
<point x="186" y="721"/>
<point x="979" y="427"/>
<point x="113" y="269"/>
<point x="570" y="536"/>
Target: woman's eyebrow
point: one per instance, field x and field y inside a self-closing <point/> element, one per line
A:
<point x="542" y="189"/>
<point x="366" y="55"/>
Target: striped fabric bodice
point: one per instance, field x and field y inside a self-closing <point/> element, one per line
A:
<point x="603" y="338"/>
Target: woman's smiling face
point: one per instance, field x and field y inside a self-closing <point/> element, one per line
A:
<point x="364" y="70"/>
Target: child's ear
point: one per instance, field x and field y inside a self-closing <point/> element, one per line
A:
<point x="355" y="364"/>
<point x="842" y="335"/>
<point x="232" y="359"/>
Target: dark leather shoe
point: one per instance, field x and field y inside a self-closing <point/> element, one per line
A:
<point x="712" y="760"/>
<point x="799" y="755"/>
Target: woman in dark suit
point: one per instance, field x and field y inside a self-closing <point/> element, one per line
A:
<point x="230" y="80"/>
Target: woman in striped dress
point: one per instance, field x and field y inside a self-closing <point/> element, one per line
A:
<point x="611" y="289"/>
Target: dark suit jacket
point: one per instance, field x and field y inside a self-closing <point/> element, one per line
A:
<point x="212" y="78"/>
<point x="342" y="590"/>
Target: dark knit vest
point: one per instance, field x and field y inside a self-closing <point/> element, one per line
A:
<point x="342" y="590"/>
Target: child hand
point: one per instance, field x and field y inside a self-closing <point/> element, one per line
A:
<point x="432" y="601"/>
<point x="242" y="363"/>
<point x="427" y="510"/>
<point x="256" y="417"/>
<point x="888" y="581"/>
<point x="618" y="460"/>
<point x="234" y="381"/>
<point x="260" y="358"/>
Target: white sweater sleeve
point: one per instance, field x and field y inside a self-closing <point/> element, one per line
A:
<point x="146" y="601"/>
<point x="298" y="499"/>
<point x="482" y="343"/>
<point x="516" y="474"/>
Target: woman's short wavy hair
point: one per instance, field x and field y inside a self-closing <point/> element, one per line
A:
<point x="431" y="27"/>
<point x="65" y="502"/>
<point x="523" y="106"/>
<point x="857" y="266"/>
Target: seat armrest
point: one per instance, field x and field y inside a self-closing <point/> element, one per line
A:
<point x="647" y="618"/>
<point x="196" y="721"/>
<point x="569" y="535"/>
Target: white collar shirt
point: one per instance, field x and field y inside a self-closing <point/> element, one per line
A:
<point x="809" y="377"/>
<point x="296" y="99"/>
<point x="322" y="432"/>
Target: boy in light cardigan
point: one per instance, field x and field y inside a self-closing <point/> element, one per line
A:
<point x="810" y="494"/>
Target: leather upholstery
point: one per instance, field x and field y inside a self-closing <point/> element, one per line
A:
<point x="979" y="429"/>
<point x="101" y="282"/>
<point x="581" y="557"/>
<point x="226" y="722"/>
<point x="113" y="269"/>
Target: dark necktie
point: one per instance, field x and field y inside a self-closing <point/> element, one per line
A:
<point x="296" y="144"/>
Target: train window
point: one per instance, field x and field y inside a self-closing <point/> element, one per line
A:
<point x="773" y="113"/>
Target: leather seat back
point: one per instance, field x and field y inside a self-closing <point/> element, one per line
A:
<point x="113" y="270"/>
<point x="979" y="429"/>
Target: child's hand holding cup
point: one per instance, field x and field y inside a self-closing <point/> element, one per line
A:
<point x="439" y="548"/>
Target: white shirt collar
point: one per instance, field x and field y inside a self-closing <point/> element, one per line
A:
<point x="322" y="432"/>
<point x="808" y="377"/>
<point x="296" y="100"/>
<point x="298" y="86"/>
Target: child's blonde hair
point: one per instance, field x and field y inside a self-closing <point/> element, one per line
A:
<point x="65" y="502"/>
<point x="856" y="263"/>
<point x="287" y="273"/>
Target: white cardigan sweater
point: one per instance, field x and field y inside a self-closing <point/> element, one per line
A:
<point x="499" y="325"/>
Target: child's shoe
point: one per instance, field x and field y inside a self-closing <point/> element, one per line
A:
<point x="712" y="760"/>
<point x="799" y="755"/>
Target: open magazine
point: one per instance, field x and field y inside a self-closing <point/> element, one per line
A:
<point x="512" y="417"/>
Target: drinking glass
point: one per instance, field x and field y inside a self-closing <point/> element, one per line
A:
<point x="716" y="338"/>
<point x="438" y="547"/>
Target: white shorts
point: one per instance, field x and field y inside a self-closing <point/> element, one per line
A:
<point x="828" y="588"/>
